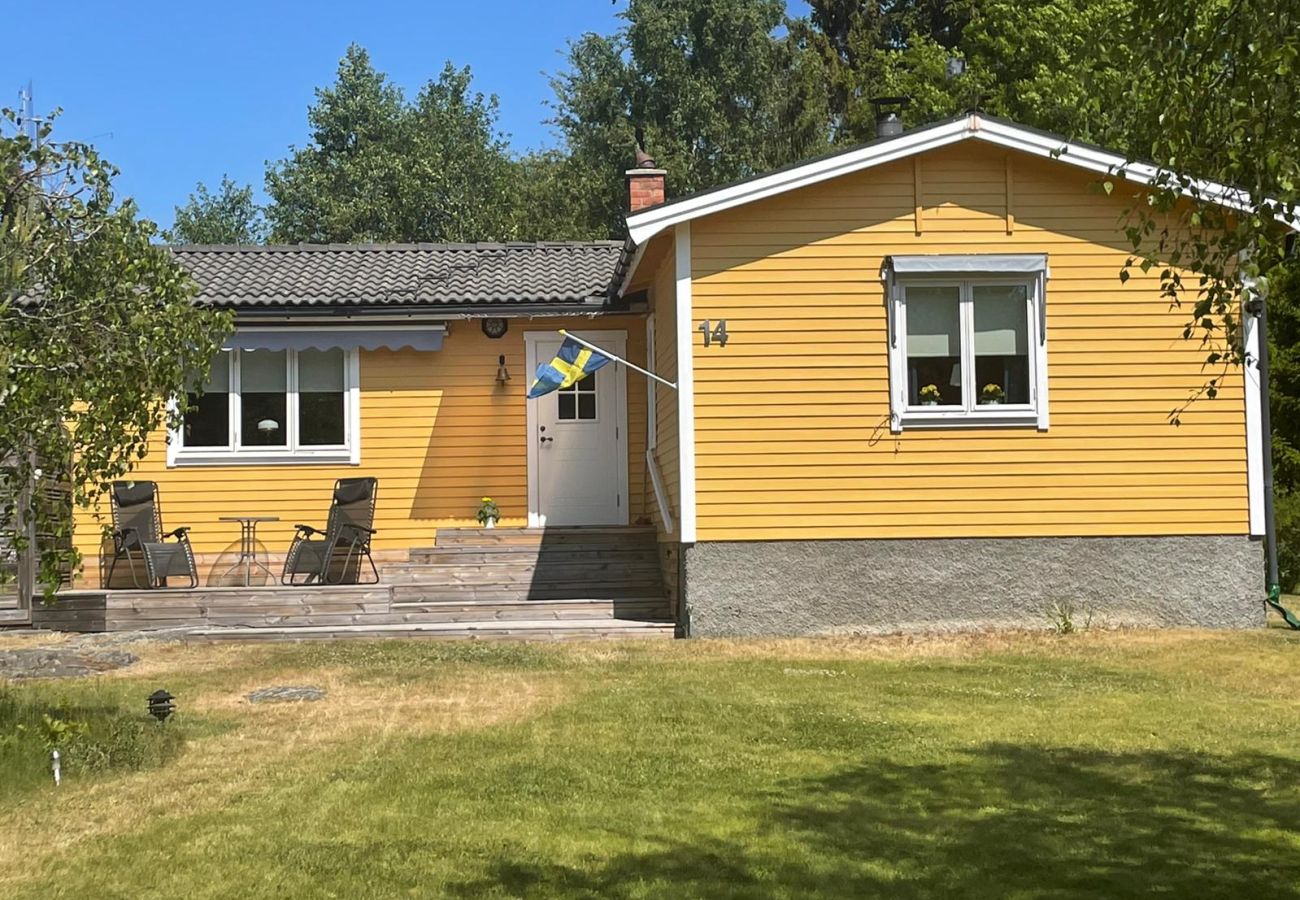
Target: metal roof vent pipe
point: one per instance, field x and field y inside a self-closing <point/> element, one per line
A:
<point x="889" y="122"/>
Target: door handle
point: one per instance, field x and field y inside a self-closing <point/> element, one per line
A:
<point x="545" y="439"/>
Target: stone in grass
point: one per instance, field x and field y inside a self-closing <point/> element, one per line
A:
<point x="287" y="694"/>
<point x="60" y="662"/>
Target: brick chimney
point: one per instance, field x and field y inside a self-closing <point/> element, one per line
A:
<point x="645" y="183"/>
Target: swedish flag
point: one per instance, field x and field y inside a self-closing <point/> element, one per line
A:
<point x="572" y="363"/>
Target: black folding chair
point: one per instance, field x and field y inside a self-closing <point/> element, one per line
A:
<point x="138" y="536"/>
<point x="333" y="556"/>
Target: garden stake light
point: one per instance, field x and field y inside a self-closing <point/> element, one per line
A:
<point x="160" y="705"/>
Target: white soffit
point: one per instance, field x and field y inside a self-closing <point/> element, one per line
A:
<point x="645" y="225"/>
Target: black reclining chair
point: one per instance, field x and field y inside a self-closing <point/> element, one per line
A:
<point x="333" y="556"/>
<point x="138" y="536"/>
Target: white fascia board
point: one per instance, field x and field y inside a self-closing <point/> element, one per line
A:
<point x="1254" y="420"/>
<point x="685" y="387"/>
<point x="645" y="225"/>
<point x="1099" y="161"/>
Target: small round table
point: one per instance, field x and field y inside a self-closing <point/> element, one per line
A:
<point x="248" y="546"/>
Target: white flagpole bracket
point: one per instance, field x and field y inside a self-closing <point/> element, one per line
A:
<point x="618" y="359"/>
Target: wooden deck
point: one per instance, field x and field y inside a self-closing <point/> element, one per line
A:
<point x="472" y="584"/>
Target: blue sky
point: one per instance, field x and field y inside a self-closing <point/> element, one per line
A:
<point x="176" y="93"/>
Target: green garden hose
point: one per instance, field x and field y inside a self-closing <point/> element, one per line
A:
<point x="1274" y="599"/>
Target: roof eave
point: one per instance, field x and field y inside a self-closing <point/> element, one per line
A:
<point x="647" y="223"/>
<point x="246" y="306"/>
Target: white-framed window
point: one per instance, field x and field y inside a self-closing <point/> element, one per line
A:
<point x="273" y="406"/>
<point x="967" y="349"/>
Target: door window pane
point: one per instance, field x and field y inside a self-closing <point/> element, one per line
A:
<point x="577" y="402"/>
<point x="207" y="421"/>
<point x="263" y="401"/>
<point x="934" y="344"/>
<point x="320" y="398"/>
<point x="1002" y="342"/>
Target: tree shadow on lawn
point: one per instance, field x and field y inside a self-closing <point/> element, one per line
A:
<point x="1000" y="820"/>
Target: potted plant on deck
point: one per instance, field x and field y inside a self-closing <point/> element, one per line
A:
<point x="488" y="513"/>
<point x="992" y="395"/>
<point x="930" y="395"/>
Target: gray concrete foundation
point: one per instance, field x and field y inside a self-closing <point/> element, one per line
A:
<point x="962" y="584"/>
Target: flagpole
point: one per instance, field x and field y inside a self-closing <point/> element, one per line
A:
<point x="606" y="353"/>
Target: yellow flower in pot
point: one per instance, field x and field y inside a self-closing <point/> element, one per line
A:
<point x="488" y="513"/>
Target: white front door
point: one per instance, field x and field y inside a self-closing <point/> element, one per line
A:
<point x="577" y="457"/>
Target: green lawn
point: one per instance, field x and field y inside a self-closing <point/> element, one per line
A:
<point x="1090" y="765"/>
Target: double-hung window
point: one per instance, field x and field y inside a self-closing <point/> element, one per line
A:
<point x="267" y="406"/>
<point x="966" y="341"/>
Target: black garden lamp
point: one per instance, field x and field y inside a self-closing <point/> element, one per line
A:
<point x="160" y="705"/>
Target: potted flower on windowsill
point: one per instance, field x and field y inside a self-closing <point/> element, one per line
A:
<point x="488" y="513"/>
<point x="992" y="395"/>
<point x="930" y="395"/>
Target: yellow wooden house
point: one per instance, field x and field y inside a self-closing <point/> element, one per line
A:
<point x="911" y="392"/>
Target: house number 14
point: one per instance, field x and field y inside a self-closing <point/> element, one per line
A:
<point x="716" y="332"/>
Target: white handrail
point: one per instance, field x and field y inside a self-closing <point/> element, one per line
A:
<point x="660" y="497"/>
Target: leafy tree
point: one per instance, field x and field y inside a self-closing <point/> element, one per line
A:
<point x="1284" y="371"/>
<point x="97" y="322"/>
<point x="1219" y="89"/>
<point x="1037" y="63"/>
<point x="1284" y="404"/>
<point x="861" y="49"/>
<point x="705" y="86"/>
<point x="346" y="184"/>
<point x="459" y="170"/>
<point x="229" y="216"/>
<point x="1043" y="64"/>
<point x="551" y="194"/>
<point x="379" y="168"/>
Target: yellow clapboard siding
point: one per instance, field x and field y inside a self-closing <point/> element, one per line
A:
<point x="436" y="430"/>
<point x="783" y="454"/>
<point x="992" y="440"/>
<point x="1145" y="418"/>
<point x="965" y="529"/>
<point x="792" y="426"/>
<point x="977" y="519"/>
<point x="941" y="487"/>
<point x="959" y="505"/>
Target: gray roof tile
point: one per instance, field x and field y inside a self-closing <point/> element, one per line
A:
<point x="401" y="274"/>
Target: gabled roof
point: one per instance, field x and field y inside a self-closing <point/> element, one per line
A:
<point x="395" y="275"/>
<point x="648" y="222"/>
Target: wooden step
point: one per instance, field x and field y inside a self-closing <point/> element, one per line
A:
<point x="424" y="593"/>
<point x="544" y="537"/>
<point x="523" y="573"/>
<point x="508" y="555"/>
<point x="526" y="630"/>
<point x="635" y="608"/>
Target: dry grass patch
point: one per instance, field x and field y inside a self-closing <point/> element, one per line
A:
<point x="18" y="639"/>
<point x="267" y="745"/>
<point x="895" y="647"/>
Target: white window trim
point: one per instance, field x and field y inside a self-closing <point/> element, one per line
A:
<point x="903" y="416"/>
<point x="348" y="453"/>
